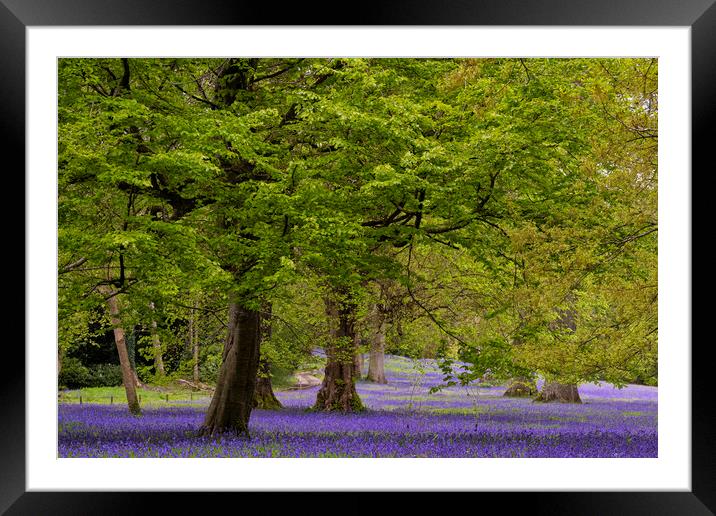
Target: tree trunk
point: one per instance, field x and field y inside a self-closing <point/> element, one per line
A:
<point x="560" y="392"/>
<point x="376" y="370"/>
<point x="131" y="345"/>
<point x="264" y="397"/>
<point x="338" y="390"/>
<point x="233" y="399"/>
<point x="521" y="387"/>
<point x="128" y="378"/>
<point x="358" y="363"/>
<point x="157" y="345"/>
<point x="135" y="377"/>
<point x="194" y="342"/>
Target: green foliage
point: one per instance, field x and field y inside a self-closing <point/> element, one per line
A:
<point x="281" y="377"/>
<point x="75" y="375"/>
<point x="476" y="201"/>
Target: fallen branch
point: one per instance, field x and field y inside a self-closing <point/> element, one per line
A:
<point x="196" y="386"/>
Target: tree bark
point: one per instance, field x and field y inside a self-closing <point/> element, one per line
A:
<point x="233" y="399"/>
<point x="128" y="375"/>
<point x="137" y="381"/>
<point x="131" y="344"/>
<point x="521" y="387"/>
<point x="559" y="392"/>
<point x="338" y="390"/>
<point x="264" y="397"/>
<point x="376" y="369"/>
<point x="358" y="363"/>
<point x="157" y="345"/>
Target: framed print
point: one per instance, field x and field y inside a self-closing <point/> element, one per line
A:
<point x="37" y="35"/>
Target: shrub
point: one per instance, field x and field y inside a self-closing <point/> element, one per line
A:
<point x="75" y="375"/>
<point x="281" y="376"/>
<point x="105" y="375"/>
<point x="209" y="369"/>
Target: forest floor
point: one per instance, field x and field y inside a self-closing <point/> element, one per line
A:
<point x="403" y="418"/>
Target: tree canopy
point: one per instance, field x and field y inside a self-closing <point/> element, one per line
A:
<point x="501" y="212"/>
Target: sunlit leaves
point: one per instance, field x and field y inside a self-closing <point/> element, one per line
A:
<point x="510" y="183"/>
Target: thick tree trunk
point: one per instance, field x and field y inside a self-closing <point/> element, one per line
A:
<point x="157" y="345"/>
<point x="233" y="399"/>
<point x="338" y="390"/>
<point x="560" y="392"/>
<point x="521" y="387"/>
<point x="128" y="375"/>
<point x="264" y="397"/>
<point x="376" y="369"/>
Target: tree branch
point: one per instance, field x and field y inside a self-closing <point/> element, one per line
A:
<point x="421" y="306"/>
<point x="279" y="72"/>
<point x="205" y="101"/>
<point x="72" y="266"/>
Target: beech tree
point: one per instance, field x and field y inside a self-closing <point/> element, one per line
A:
<point x="574" y="249"/>
<point x="105" y="246"/>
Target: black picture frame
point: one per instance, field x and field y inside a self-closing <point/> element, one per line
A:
<point x="17" y="15"/>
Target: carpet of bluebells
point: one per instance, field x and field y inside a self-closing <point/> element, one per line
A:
<point x="402" y="419"/>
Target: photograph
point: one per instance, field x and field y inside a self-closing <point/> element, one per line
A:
<point x="357" y="257"/>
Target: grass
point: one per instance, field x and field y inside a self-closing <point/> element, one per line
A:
<point x="166" y="394"/>
<point x="149" y="397"/>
